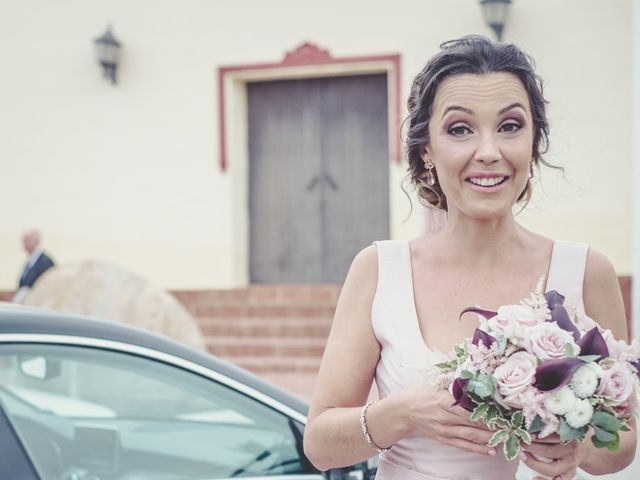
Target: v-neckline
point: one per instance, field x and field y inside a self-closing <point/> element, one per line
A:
<point x="414" y="307"/>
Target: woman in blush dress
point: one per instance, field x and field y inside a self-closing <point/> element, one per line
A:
<point x="477" y="130"/>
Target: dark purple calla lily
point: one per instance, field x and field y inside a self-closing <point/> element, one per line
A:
<point x="460" y="395"/>
<point x="483" y="337"/>
<point x="637" y="367"/>
<point x="561" y="317"/>
<point x="592" y="343"/>
<point x="553" y="299"/>
<point x="555" y="373"/>
<point x="485" y="313"/>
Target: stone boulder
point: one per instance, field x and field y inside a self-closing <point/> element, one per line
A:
<point x="109" y="292"/>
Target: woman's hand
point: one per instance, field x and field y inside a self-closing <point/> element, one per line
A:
<point x="432" y="413"/>
<point x="553" y="459"/>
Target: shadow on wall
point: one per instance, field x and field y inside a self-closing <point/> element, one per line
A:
<point x="109" y="292"/>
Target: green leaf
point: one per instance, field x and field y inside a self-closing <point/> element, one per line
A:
<point x="444" y="366"/>
<point x="568" y="433"/>
<point x="523" y="435"/>
<point x="492" y="413"/>
<point x="537" y="425"/>
<point x="589" y="358"/>
<point x="516" y="419"/>
<point x="466" y="375"/>
<point x="569" y="351"/>
<point x="604" y="436"/>
<point x="460" y="351"/>
<point x="511" y="447"/>
<point x="500" y="423"/>
<point x="613" y="446"/>
<point x="479" y="412"/>
<point x="479" y="388"/>
<point x="606" y="421"/>
<point x="498" y="437"/>
<point x="502" y="345"/>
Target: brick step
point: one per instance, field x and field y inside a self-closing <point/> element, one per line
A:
<point x="265" y="329"/>
<point x="232" y="347"/>
<point x="262" y="365"/>
<point x="279" y="311"/>
<point x="256" y="296"/>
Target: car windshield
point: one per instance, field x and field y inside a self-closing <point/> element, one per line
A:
<point x="86" y="411"/>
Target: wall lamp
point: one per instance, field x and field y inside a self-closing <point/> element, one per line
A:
<point x="495" y="14"/>
<point x="108" y="51"/>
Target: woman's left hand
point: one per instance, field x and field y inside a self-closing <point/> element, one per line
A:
<point x="553" y="459"/>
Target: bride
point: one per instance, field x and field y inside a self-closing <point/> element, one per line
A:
<point x="477" y="132"/>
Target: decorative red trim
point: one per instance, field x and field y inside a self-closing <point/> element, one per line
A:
<point x="310" y="54"/>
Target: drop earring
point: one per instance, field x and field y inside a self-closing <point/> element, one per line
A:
<point x="431" y="178"/>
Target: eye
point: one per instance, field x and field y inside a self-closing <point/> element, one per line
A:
<point x="459" y="130"/>
<point x="510" y="127"/>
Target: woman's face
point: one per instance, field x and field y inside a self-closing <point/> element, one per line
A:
<point x="481" y="141"/>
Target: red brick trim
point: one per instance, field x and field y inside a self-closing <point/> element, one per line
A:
<point x="310" y="54"/>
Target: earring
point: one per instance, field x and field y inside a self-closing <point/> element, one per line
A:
<point x="431" y="178"/>
<point x="531" y="169"/>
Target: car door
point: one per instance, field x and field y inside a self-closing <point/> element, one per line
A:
<point x="88" y="412"/>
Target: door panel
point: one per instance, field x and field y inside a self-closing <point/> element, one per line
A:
<point x="355" y="153"/>
<point x="284" y="152"/>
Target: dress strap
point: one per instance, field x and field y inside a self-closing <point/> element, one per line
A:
<point x="396" y="319"/>
<point x="566" y="272"/>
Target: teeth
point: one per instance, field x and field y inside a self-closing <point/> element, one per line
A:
<point x="486" y="182"/>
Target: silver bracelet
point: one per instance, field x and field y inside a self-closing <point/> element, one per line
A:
<point x="365" y="430"/>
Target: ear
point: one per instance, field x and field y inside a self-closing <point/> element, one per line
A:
<point x="424" y="154"/>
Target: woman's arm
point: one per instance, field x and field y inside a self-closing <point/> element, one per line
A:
<point x="333" y="436"/>
<point x="603" y="303"/>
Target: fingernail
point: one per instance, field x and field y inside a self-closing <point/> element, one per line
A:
<point x="491" y="452"/>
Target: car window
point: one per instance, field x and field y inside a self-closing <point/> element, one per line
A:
<point x="86" y="413"/>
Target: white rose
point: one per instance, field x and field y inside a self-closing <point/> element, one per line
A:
<point x="548" y="340"/>
<point x="515" y="376"/>
<point x="580" y="415"/>
<point x="561" y="401"/>
<point x="585" y="381"/>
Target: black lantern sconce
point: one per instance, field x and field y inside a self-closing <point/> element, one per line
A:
<point x="108" y="54"/>
<point x="495" y="14"/>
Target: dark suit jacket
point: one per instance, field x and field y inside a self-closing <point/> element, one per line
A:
<point x="30" y="275"/>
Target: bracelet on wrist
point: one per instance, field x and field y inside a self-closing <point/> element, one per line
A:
<point x="365" y="430"/>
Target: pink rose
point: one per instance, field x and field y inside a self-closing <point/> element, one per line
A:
<point x="514" y="377"/>
<point x="508" y="314"/>
<point x="549" y="341"/>
<point x="617" y="383"/>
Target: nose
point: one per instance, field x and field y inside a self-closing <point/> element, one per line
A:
<point x="488" y="151"/>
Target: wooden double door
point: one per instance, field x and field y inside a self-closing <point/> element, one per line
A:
<point x="318" y="175"/>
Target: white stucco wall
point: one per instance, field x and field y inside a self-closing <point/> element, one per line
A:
<point x="130" y="174"/>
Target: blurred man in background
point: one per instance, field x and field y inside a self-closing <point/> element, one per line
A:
<point x="37" y="263"/>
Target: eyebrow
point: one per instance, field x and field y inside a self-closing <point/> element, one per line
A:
<point x="471" y="112"/>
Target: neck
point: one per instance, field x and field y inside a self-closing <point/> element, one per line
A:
<point x="481" y="242"/>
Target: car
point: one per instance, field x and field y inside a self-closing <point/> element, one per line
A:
<point x="84" y="399"/>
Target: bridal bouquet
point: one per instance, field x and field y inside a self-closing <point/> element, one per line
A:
<point x="541" y="367"/>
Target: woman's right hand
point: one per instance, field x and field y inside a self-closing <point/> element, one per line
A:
<point x="432" y="413"/>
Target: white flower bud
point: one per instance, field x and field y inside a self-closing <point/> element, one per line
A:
<point x="561" y="402"/>
<point x="580" y="415"/>
<point x="585" y="380"/>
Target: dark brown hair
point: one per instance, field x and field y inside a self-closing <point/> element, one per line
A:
<point x="472" y="54"/>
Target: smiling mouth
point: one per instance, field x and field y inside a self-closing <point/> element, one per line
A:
<point x="487" y="181"/>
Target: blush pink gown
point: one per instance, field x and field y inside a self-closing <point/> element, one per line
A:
<point x="406" y="361"/>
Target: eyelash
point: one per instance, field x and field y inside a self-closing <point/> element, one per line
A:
<point x="460" y="130"/>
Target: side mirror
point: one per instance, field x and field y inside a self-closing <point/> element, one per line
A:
<point x="39" y="368"/>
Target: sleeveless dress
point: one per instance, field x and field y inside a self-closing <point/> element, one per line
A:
<point x="406" y="361"/>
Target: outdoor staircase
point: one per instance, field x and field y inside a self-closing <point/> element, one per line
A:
<point x="278" y="332"/>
